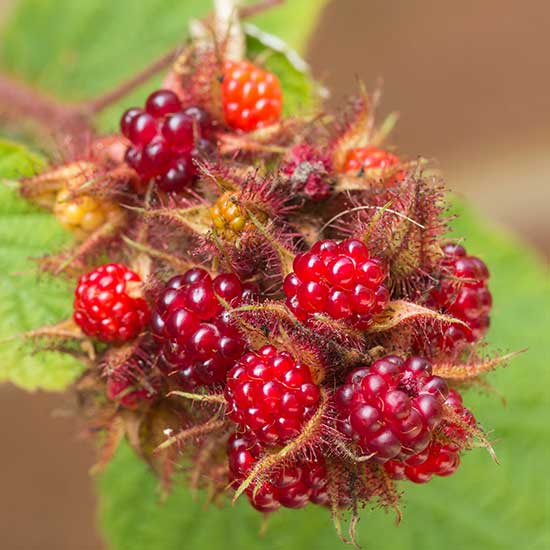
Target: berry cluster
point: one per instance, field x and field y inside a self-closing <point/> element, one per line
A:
<point x="271" y="395"/>
<point x="291" y="486"/>
<point x="251" y="97"/>
<point x="198" y="341"/>
<point x="165" y="139"/>
<point x="392" y="408"/>
<point x="329" y="391"/>
<point x="462" y="293"/>
<point x="108" y="305"/>
<point x="340" y="280"/>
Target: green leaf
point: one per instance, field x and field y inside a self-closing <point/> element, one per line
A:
<point x="27" y="302"/>
<point x="483" y="505"/>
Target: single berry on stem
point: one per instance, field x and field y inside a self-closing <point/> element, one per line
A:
<point x="199" y="343"/>
<point x="251" y="97"/>
<point x="83" y="214"/>
<point x="107" y="304"/>
<point x="462" y="293"/>
<point x="271" y="395"/>
<point x="340" y="280"/>
<point x="391" y="408"/>
<point x="166" y="138"/>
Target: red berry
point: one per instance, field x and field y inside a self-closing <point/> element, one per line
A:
<point x="366" y="158"/>
<point x="104" y="306"/>
<point x="293" y="485"/>
<point x="462" y="293"/>
<point x="271" y="395"/>
<point x="199" y="342"/>
<point x="165" y="140"/>
<point x="339" y="280"/>
<point x="251" y="97"/>
<point x="391" y="408"/>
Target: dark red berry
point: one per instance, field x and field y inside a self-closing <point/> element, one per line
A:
<point x="463" y="294"/>
<point x="271" y="395"/>
<point x="166" y="139"/>
<point x="107" y="305"/>
<point x="391" y="409"/>
<point x="198" y="341"/>
<point x="339" y="280"/>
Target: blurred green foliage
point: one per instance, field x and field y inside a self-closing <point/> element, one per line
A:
<point x="26" y="301"/>
<point x="79" y="49"/>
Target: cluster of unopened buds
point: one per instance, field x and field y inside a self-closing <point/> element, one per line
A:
<point x="283" y="309"/>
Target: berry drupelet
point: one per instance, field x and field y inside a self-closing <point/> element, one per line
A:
<point x="391" y="408"/>
<point x="339" y="280"/>
<point x="198" y="341"/>
<point x="107" y="304"/>
<point x="462" y="293"/>
<point x="165" y="138"/>
<point x="251" y="97"/>
<point x="292" y="486"/>
<point x="271" y="395"/>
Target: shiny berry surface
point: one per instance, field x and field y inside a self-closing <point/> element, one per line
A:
<point x="251" y="97"/>
<point x="105" y="304"/>
<point x="391" y="408"/>
<point x="271" y="395"/>
<point x="293" y="485"/>
<point x="339" y="280"/>
<point x="165" y="138"/>
<point x="462" y="293"/>
<point x="199" y="343"/>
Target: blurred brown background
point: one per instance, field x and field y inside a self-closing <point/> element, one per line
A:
<point x="472" y="82"/>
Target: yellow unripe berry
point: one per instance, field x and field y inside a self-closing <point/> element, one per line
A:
<point x="228" y="218"/>
<point x="83" y="214"/>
